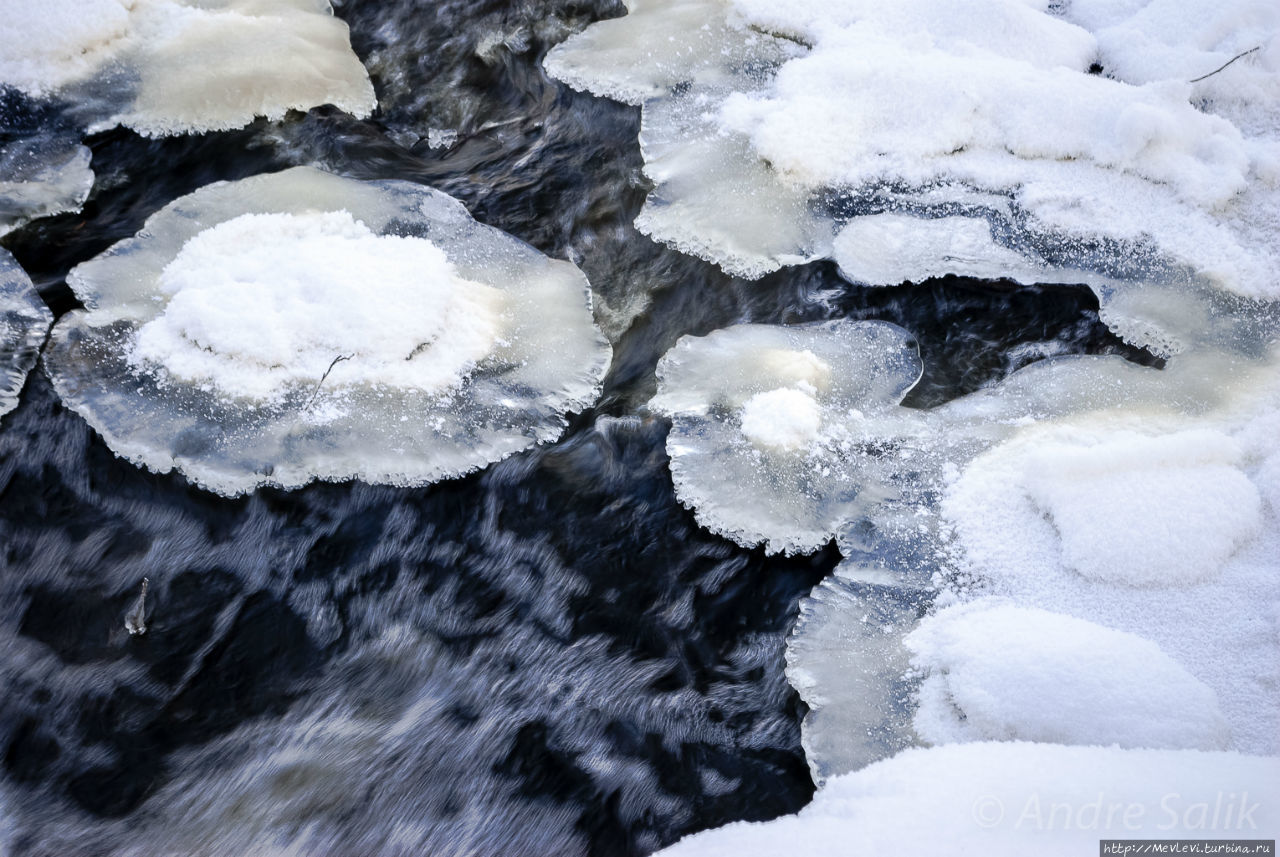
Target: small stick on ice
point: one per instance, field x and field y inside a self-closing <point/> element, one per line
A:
<point x="316" y="391"/>
<point x="1225" y="64"/>
<point x="135" y="621"/>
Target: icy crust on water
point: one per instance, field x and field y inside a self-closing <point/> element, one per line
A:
<point x="300" y="325"/>
<point x="171" y="66"/>
<point x="39" y="176"/>
<point x="24" y="324"/>
<point x="823" y="114"/>
<point x="1015" y="799"/>
<point x="766" y="436"/>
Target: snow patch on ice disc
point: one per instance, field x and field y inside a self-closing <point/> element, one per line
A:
<point x="994" y="671"/>
<point x="171" y="66"/>
<point x="24" y="324"/>
<point x="299" y="325"/>
<point x="767" y="423"/>
<point x="265" y="301"/>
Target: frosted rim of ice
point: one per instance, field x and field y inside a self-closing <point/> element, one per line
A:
<point x="24" y="325"/>
<point x="40" y="176"/>
<point x="795" y="497"/>
<point x="166" y="67"/>
<point x="549" y="361"/>
<point x="806" y="118"/>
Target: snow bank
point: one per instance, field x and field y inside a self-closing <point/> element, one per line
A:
<point x="24" y="324"/>
<point x="767" y="423"/>
<point x="994" y="671"/>
<point x="299" y="325"/>
<point x="171" y="66"/>
<point x="1163" y="526"/>
<point x="1016" y="799"/>
<point x="811" y="116"/>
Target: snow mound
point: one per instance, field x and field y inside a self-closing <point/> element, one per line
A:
<point x="171" y="66"/>
<point x="767" y="422"/>
<point x="24" y="324"/>
<point x="993" y="671"/>
<point x="237" y="318"/>
<point x="1153" y="511"/>
<point x="300" y="325"/>
<point x="771" y="128"/>
<point x="1016" y="799"/>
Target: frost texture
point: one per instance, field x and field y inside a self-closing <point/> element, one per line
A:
<point x="24" y="324"/>
<point x="999" y="799"/>
<point x="299" y="325"/>
<point x="772" y="128"/>
<point x="170" y="66"/>
<point x="767" y="424"/>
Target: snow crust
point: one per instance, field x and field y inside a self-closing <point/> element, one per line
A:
<point x="1016" y="798"/>
<point x="810" y="116"/>
<point x="24" y="325"/>
<point x="300" y="325"/>
<point x="172" y="66"/>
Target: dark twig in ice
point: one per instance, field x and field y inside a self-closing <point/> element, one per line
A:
<point x="316" y="391"/>
<point x="1225" y="64"/>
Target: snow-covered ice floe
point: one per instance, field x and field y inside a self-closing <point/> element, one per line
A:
<point x="1073" y="142"/>
<point x="24" y="324"/>
<point x="1108" y="525"/>
<point x="1011" y="799"/>
<point x="768" y="424"/>
<point x="300" y="325"/>
<point x="172" y="66"/>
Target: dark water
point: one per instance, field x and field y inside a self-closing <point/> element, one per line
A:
<point x="548" y="657"/>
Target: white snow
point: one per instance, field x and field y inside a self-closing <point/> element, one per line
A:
<point x="995" y="671"/>
<point x="1160" y="525"/>
<point x="1016" y="799"/>
<point x="1148" y="511"/>
<point x="785" y="419"/>
<point x="263" y="301"/>
<point x="47" y="44"/>
<point x="921" y="108"/>
<point x="175" y="66"/>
